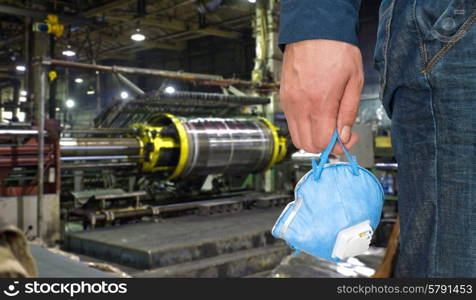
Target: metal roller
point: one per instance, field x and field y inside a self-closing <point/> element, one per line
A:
<point x="218" y="145"/>
<point x="227" y="146"/>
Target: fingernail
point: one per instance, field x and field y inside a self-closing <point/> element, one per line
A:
<point x="345" y="134"/>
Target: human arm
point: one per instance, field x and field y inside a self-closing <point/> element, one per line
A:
<point x="322" y="74"/>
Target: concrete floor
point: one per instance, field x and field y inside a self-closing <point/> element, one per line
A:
<point x="232" y="245"/>
<point x="51" y="265"/>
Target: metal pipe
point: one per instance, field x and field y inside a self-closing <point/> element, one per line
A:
<point x="53" y="83"/>
<point x="20" y="150"/>
<point x="97" y="165"/>
<point x="39" y="90"/>
<point x="97" y="80"/>
<point x="99" y="131"/>
<point x="302" y="156"/>
<point x="72" y="158"/>
<point x="99" y="146"/>
<point x="16" y="125"/>
<point x="133" y="70"/>
<point x="84" y="142"/>
<point x="130" y="84"/>
<point x="18" y="132"/>
<point x="157" y="210"/>
<point x="16" y="98"/>
<point x="213" y="98"/>
<point x="204" y="79"/>
<point x="28" y="55"/>
<point x="387" y="165"/>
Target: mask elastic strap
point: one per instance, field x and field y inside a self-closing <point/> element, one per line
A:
<point x="317" y="168"/>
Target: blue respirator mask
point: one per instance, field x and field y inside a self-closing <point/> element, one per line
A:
<point x="337" y="208"/>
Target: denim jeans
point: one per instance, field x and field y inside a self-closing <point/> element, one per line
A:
<point x="426" y="55"/>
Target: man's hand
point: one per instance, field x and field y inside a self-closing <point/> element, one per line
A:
<point x="321" y="83"/>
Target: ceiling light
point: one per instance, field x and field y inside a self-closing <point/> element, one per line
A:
<point x="70" y="103"/>
<point x="124" y="95"/>
<point x="90" y="92"/>
<point x="137" y="36"/>
<point x="170" y="89"/>
<point x="23" y="93"/>
<point x="78" y="80"/>
<point x="252" y="1"/>
<point x="21" y="68"/>
<point x="68" y="51"/>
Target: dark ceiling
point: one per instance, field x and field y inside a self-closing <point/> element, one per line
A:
<point x="102" y="29"/>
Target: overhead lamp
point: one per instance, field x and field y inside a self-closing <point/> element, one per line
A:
<point x="252" y="1"/>
<point x="79" y="80"/>
<point x="124" y="95"/>
<point x="68" y="51"/>
<point x="20" y="68"/>
<point x="70" y="103"/>
<point x="137" y="36"/>
<point x="90" y="92"/>
<point x="170" y="89"/>
<point x="23" y="93"/>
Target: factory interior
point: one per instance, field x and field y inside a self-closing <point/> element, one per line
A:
<point x="145" y="138"/>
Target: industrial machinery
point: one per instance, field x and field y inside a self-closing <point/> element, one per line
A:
<point x="19" y="159"/>
<point x="170" y="157"/>
<point x="172" y="147"/>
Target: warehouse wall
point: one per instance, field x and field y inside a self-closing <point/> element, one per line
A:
<point x="210" y="55"/>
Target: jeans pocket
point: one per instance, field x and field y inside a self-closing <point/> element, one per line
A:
<point x="383" y="37"/>
<point x="445" y="20"/>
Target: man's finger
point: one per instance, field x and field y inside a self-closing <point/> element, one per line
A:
<point x="293" y="130"/>
<point x="349" y="107"/>
<point x="324" y="115"/>
<point x="337" y="150"/>
<point x="306" y="137"/>
<point x="323" y="123"/>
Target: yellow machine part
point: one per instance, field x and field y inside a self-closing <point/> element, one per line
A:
<point x="54" y="27"/>
<point x="150" y="135"/>
<point x="383" y="142"/>
<point x="183" y="146"/>
<point x="52" y="75"/>
<point x="280" y="149"/>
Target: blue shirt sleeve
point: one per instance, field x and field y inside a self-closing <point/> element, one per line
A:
<point x="319" y="19"/>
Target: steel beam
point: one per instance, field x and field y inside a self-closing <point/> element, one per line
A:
<point x="205" y="79"/>
<point x="106" y="7"/>
<point x="130" y="84"/>
<point x="41" y="15"/>
<point x="39" y="84"/>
